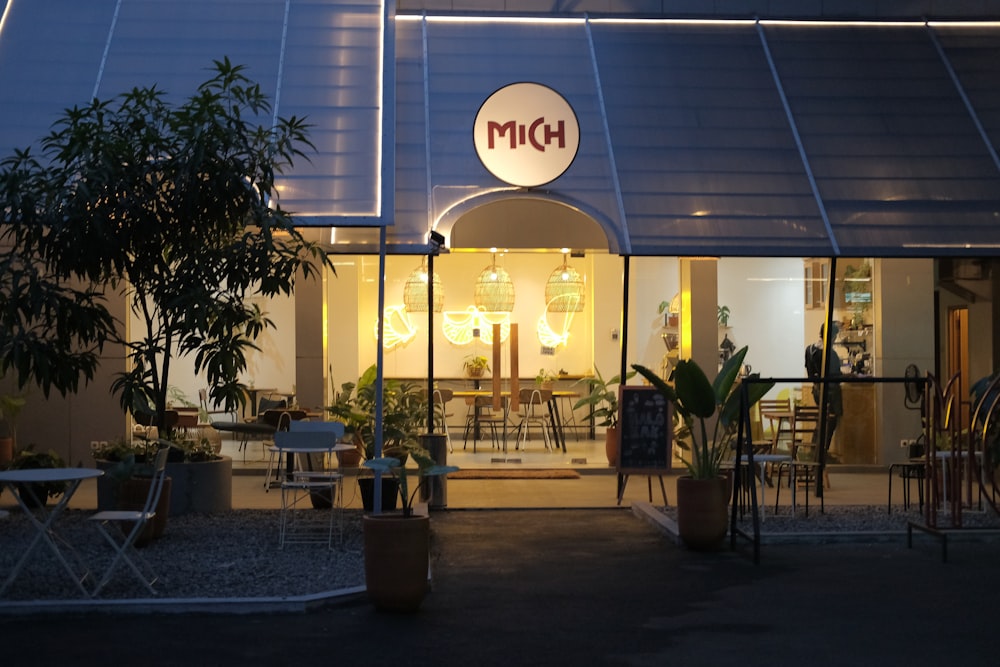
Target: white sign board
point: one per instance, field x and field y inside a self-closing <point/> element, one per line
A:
<point x="526" y="134"/>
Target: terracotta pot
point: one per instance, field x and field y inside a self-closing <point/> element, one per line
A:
<point x="351" y="458"/>
<point x="611" y="445"/>
<point x="132" y="494"/>
<point x="702" y="518"/>
<point x="6" y="451"/>
<point x="396" y="561"/>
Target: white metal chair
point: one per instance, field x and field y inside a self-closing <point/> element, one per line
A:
<point x="441" y="399"/>
<point x="121" y="529"/>
<point x="530" y="399"/>
<point x="312" y="483"/>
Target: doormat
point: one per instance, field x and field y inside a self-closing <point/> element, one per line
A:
<point x="514" y="474"/>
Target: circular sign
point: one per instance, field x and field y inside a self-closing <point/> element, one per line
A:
<point x="526" y="134"/>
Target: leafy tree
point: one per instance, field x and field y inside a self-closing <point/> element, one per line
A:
<point x="172" y="206"/>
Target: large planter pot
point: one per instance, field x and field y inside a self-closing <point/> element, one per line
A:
<point x="702" y="518"/>
<point x="611" y="445"/>
<point x="390" y="493"/>
<point x="201" y="487"/>
<point x="132" y="495"/>
<point x="396" y="561"/>
<point x="6" y="450"/>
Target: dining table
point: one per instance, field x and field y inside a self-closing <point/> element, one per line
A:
<point x="43" y="519"/>
<point x="555" y="420"/>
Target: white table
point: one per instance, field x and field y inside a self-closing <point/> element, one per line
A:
<point x="300" y="486"/>
<point x="42" y="518"/>
<point x="764" y="459"/>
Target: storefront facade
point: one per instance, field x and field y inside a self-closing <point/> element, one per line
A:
<point x="723" y="159"/>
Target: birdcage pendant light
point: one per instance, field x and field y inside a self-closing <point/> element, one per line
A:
<point x="566" y="289"/>
<point x="494" y="289"/>
<point x="415" y="290"/>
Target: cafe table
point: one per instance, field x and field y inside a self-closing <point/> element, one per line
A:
<point x="555" y="420"/>
<point x="43" y="519"/>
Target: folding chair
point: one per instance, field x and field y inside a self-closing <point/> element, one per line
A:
<point x="299" y="524"/>
<point x="113" y="524"/>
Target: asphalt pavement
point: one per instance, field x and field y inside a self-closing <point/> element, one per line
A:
<point x="588" y="587"/>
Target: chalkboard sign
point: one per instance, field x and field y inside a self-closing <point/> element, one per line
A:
<point x="645" y="430"/>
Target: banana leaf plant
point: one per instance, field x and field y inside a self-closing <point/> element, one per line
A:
<point x="697" y="401"/>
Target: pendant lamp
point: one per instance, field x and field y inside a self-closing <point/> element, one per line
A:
<point x="415" y="291"/>
<point x="565" y="289"/>
<point x="494" y="289"/>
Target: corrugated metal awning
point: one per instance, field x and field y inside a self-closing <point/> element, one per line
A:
<point x="697" y="138"/>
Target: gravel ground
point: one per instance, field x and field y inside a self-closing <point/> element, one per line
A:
<point x="235" y="554"/>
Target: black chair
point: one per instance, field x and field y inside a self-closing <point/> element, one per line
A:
<point x="913" y="469"/>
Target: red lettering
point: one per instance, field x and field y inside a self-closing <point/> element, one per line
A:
<point x="496" y="129"/>
<point x="560" y="133"/>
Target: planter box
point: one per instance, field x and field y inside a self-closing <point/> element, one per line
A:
<point x="205" y="487"/>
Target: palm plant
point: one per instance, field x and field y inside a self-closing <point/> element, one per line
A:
<point x="697" y="400"/>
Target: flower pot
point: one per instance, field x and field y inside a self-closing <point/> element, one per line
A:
<point x="702" y="518"/>
<point x="611" y="445"/>
<point x="351" y="458"/>
<point x="132" y="495"/>
<point x="396" y="561"/>
<point x="390" y="493"/>
<point x="6" y="450"/>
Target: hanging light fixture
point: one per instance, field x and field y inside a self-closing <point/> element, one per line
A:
<point x="565" y="289"/>
<point x="494" y="289"/>
<point x="415" y="291"/>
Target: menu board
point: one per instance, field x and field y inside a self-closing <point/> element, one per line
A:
<point x="645" y="429"/>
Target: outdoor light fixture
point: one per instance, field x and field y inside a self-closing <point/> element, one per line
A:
<point x="565" y="289"/>
<point x="494" y="289"/>
<point x="415" y="290"/>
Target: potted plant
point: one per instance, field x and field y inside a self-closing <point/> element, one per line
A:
<point x="670" y="316"/>
<point x="29" y="459"/>
<point x="602" y="404"/>
<point x="545" y="378"/>
<point x="476" y="365"/>
<point x="723" y="316"/>
<point x="198" y="479"/>
<point x="703" y="494"/>
<point x="404" y="411"/>
<point x="397" y="545"/>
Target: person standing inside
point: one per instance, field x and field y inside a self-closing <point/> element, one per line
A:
<point x="814" y="365"/>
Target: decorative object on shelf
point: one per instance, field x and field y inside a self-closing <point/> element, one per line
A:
<point x="494" y="289"/>
<point x="545" y="378"/>
<point x="415" y="290"/>
<point x="476" y="365"/>
<point x="565" y="289"/>
<point x="670" y="310"/>
<point x="726" y="347"/>
<point x="724" y="316"/>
